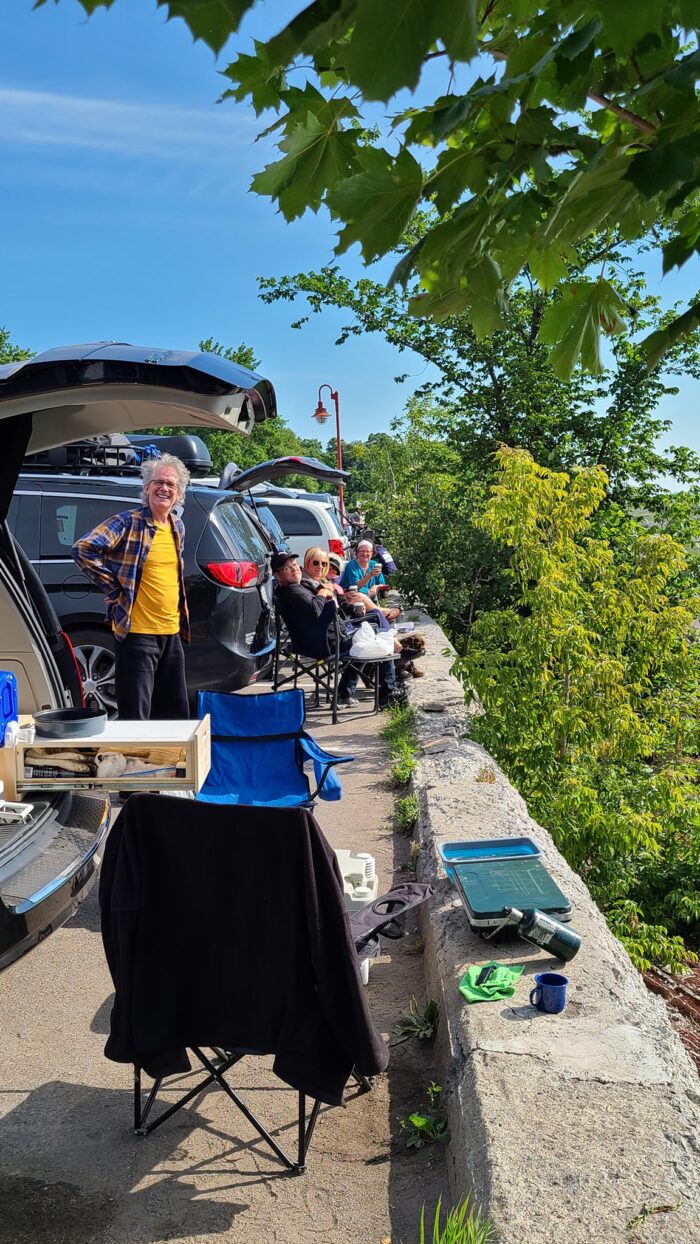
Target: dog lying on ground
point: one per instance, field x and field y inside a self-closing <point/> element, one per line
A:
<point x="411" y="646"/>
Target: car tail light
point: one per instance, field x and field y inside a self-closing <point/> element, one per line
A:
<point x="233" y="574"/>
<point x="71" y="649"/>
<point x="336" y="546"/>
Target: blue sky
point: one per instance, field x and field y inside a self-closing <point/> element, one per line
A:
<point x="125" y="212"/>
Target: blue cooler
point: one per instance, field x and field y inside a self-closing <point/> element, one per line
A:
<point x="9" y="704"/>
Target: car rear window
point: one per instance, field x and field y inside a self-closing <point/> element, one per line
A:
<point x="266" y="517"/>
<point x="246" y="542"/>
<point x="332" y="514"/>
<point x="296" y="521"/>
<point x="65" y="519"/>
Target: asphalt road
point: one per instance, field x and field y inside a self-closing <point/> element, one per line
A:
<point x="71" y="1170"/>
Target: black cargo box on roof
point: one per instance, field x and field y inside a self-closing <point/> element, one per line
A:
<point x="189" y="449"/>
<point x="96" y="454"/>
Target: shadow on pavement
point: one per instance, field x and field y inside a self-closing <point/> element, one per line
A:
<point x="74" y="1173"/>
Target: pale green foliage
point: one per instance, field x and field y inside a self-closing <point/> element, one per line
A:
<point x="428" y="1126"/>
<point x="399" y="735"/>
<point x="406" y="814"/>
<point x="464" y="1224"/>
<point x="548" y="123"/>
<point x="590" y="682"/>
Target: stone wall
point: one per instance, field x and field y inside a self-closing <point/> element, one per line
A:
<point x="563" y="1126"/>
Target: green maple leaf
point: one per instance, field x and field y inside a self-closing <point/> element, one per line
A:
<point x="458" y="169"/>
<point x="212" y="21"/>
<point x="594" y="196"/>
<point x="573" y="325"/>
<point x="547" y="266"/>
<point x="656" y="344"/>
<point x="665" y="165"/>
<point x="479" y="294"/>
<point x="685" y="243"/>
<point x="88" y="5"/>
<point x="255" y="77"/>
<point x="625" y="25"/>
<point x="318" y="155"/>
<point x="377" y="203"/>
<point x="312" y="29"/>
<point x="390" y="40"/>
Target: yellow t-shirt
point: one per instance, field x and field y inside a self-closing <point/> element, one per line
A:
<point x="156" y="610"/>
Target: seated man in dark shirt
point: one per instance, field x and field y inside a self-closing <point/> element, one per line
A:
<point x="310" y="616"/>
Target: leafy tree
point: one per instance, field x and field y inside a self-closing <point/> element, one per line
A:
<point x="504" y="389"/>
<point x="243" y="355"/>
<point x="9" y="352"/>
<point x="590" y="683"/>
<point x="552" y="122"/>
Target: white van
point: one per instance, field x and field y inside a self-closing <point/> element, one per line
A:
<point x="306" y="523"/>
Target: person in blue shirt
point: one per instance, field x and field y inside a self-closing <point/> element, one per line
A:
<point x="362" y="572"/>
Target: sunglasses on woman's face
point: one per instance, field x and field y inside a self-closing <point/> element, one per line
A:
<point x="313" y="563"/>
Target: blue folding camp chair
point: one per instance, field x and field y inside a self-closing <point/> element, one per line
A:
<point x="259" y="748"/>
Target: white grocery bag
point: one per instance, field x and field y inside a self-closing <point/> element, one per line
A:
<point x="368" y="643"/>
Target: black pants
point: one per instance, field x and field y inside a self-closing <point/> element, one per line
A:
<point x="150" y="678"/>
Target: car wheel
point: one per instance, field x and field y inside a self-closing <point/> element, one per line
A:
<point x="94" y="652"/>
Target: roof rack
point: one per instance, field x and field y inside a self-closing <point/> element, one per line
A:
<point x="115" y="454"/>
<point x="99" y="455"/>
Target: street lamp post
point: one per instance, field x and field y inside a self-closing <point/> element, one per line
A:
<point x="320" y="415"/>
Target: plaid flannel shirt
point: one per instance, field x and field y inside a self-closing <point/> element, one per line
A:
<point x="112" y="557"/>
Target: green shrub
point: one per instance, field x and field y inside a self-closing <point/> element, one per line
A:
<point x="406" y="815"/>
<point x="414" y="1023"/>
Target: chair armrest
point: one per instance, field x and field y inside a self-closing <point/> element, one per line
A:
<point x="328" y="785"/>
<point x="315" y="752"/>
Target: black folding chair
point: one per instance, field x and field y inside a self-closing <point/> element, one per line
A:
<point x="216" y="1069"/>
<point x="186" y="887"/>
<point x="323" y="666"/>
<point x="385" y="917"/>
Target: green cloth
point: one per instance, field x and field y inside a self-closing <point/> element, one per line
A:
<point x="500" y="984"/>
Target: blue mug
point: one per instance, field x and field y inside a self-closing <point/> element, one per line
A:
<point x="549" y="993"/>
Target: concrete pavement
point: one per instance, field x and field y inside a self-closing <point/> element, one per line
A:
<point x="72" y="1172"/>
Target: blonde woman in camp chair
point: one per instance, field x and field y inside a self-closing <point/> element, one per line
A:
<point x="317" y="572"/>
<point x="351" y="602"/>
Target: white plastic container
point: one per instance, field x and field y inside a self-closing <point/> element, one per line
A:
<point x="357" y="887"/>
<point x="370" y="866"/>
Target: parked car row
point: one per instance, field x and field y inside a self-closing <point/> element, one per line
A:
<point x="64" y="471"/>
<point x="49" y="860"/>
<point x="227" y="577"/>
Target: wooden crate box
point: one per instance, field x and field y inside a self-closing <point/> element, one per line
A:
<point x="128" y="755"/>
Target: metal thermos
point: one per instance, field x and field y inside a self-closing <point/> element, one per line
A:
<point x="545" y="932"/>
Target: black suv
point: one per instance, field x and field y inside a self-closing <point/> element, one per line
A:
<point x="49" y="860"/>
<point x="227" y="573"/>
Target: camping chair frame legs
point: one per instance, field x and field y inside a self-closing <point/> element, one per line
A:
<point x="325" y="675"/>
<point x="323" y="671"/>
<point x="216" y="1074"/>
